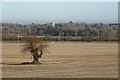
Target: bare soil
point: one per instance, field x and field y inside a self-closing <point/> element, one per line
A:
<point x="63" y="60"/>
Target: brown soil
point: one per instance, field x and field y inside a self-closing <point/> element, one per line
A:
<point x="63" y="60"/>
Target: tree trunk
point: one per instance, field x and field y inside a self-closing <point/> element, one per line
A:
<point x="35" y="60"/>
<point x="41" y="54"/>
<point x="36" y="55"/>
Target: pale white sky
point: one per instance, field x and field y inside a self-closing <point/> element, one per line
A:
<point x="110" y="11"/>
<point x="60" y="0"/>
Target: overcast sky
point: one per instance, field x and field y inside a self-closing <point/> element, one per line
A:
<point x="43" y="12"/>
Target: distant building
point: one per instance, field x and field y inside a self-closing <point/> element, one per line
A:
<point x="53" y="24"/>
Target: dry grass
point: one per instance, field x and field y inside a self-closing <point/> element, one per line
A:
<point x="65" y="59"/>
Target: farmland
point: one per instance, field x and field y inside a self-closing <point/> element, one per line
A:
<point x="63" y="60"/>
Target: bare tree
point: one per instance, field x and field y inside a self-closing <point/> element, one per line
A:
<point x="36" y="46"/>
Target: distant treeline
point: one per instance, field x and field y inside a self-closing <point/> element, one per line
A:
<point x="61" y="31"/>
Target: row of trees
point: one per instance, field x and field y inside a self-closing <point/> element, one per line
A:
<point x="83" y="31"/>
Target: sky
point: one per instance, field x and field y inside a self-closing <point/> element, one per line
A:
<point x="60" y="0"/>
<point x="44" y="12"/>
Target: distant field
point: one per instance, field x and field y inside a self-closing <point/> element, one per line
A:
<point x="63" y="60"/>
